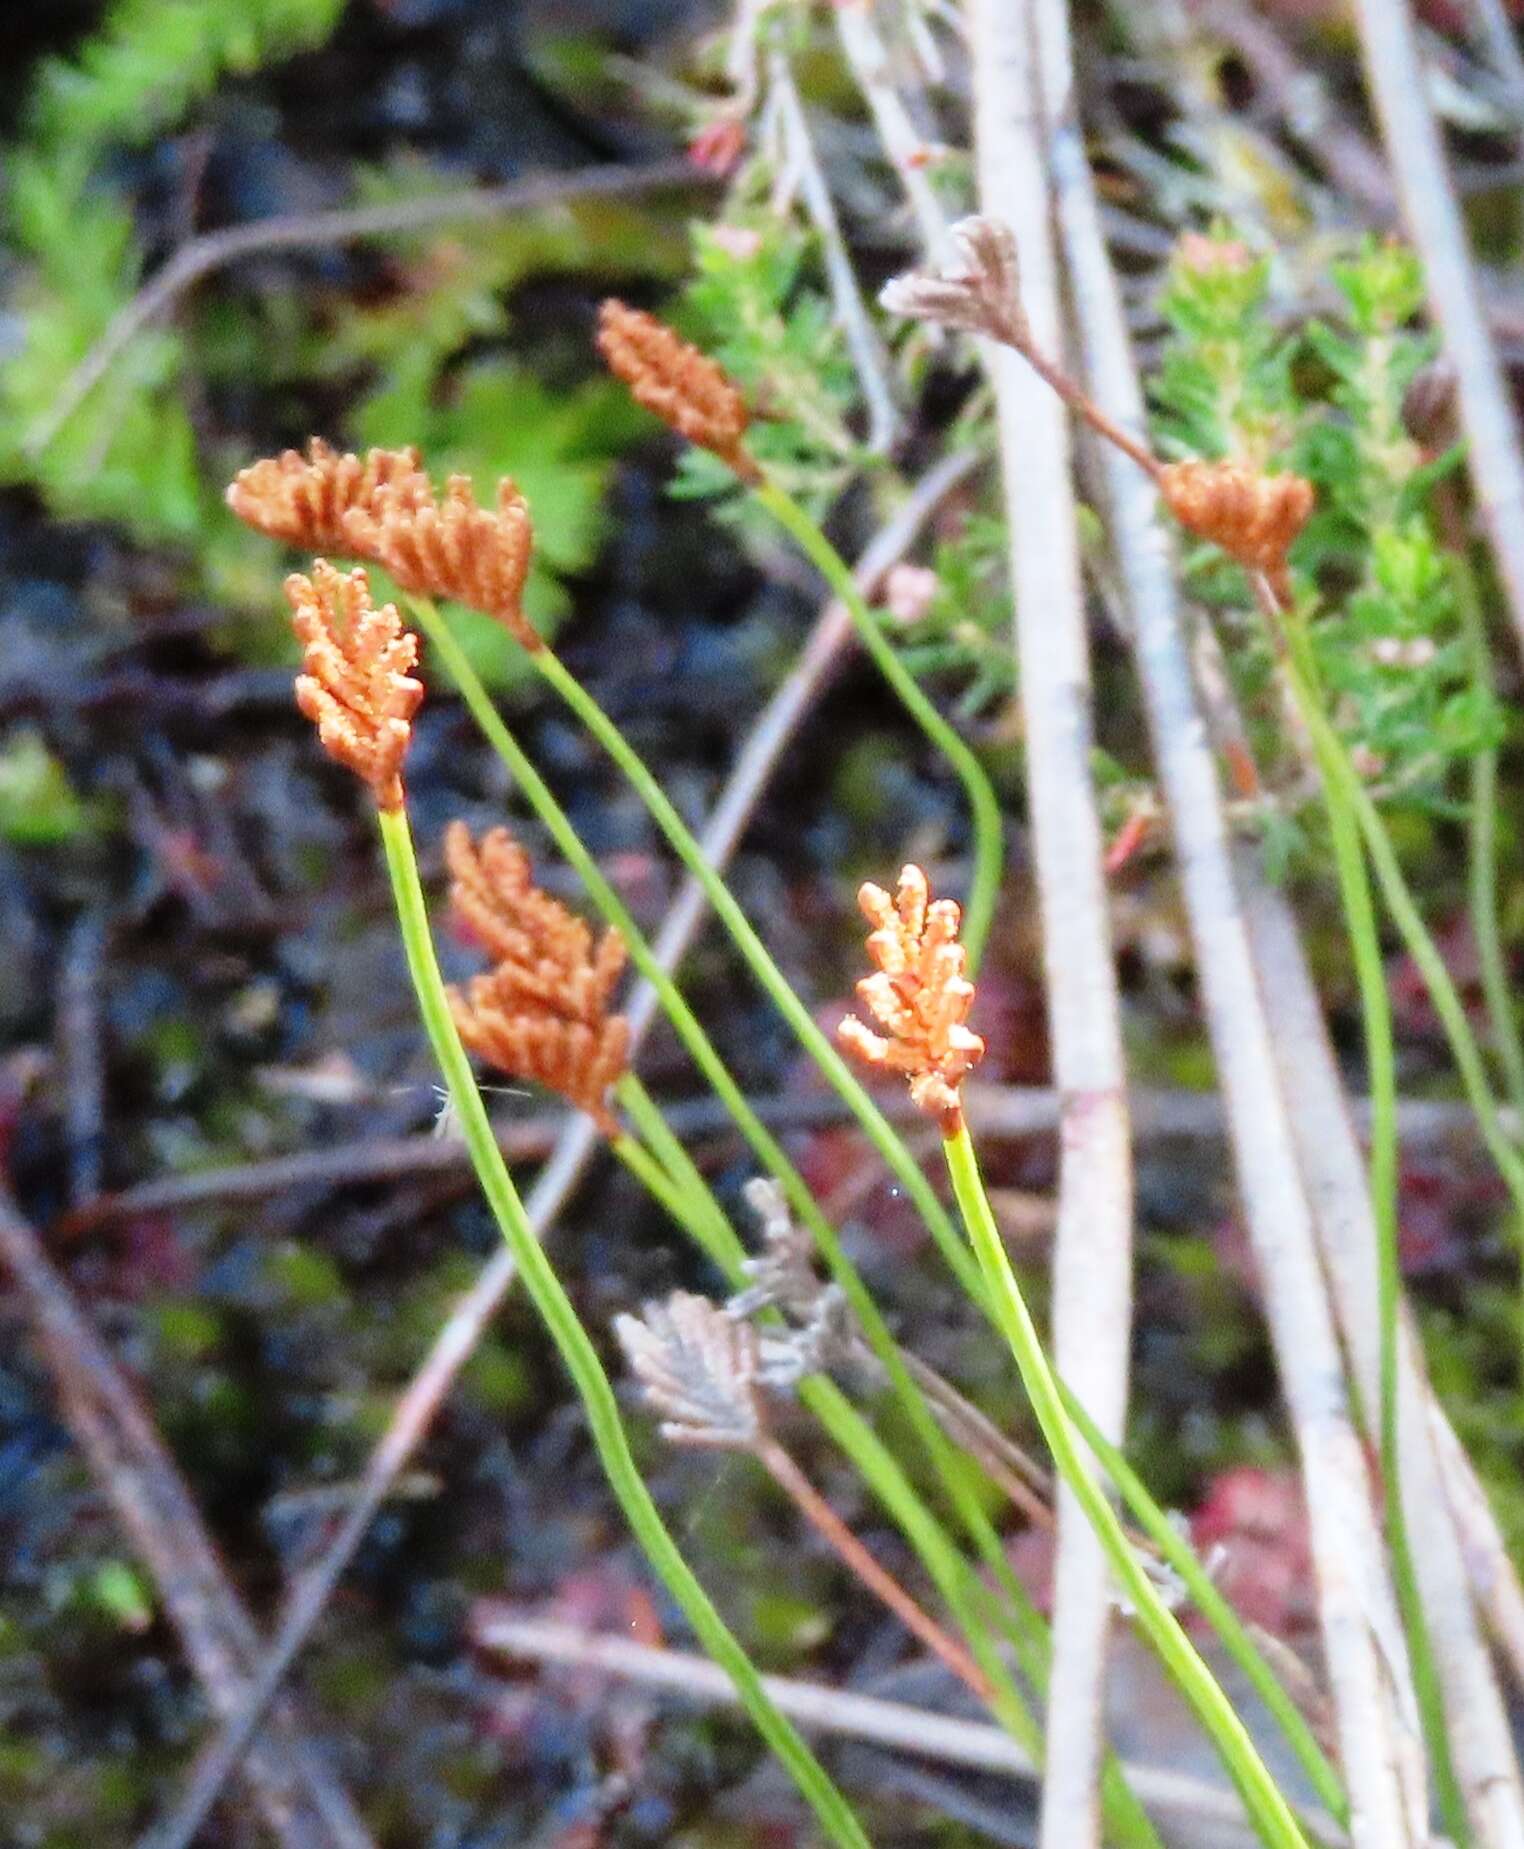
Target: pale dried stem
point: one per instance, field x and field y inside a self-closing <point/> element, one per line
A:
<point x="1371" y="1685"/>
<point x="1399" y="93"/>
<point x="1092" y="1252"/>
<point x="1333" y="1164"/>
<point x="468" y="1321"/>
<point x="862" y="337"/>
<point x="896" y="1725"/>
<point x="870" y="62"/>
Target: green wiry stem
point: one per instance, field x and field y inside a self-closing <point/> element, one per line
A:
<point x="1235" y="1639"/>
<point x="1381" y="1063"/>
<point x="988" y="840"/>
<point x="843" y="1081"/>
<point x="578" y="1354"/>
<point x="1267" y="1808"/>
<point x="979" y="1616"/>
<point x="1482" y="854"/>
<point x="949" y="1468"/>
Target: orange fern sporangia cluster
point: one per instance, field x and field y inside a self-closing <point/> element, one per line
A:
<point x="1254" y="517"/>
<point x="920" y="996"/>
<point x="541" y="1012"/>
<point x="304" y="499"/>
<point x="451" y="546"/>
<point x="677" y="383"/>
<point x="356" y="683"/>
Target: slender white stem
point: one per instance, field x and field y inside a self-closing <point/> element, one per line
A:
<point x="1092" y="1254"/>
<point x="1399" y="92"/>
<point x="868" y="58"/>
<point x="892" y="1724"/>
<point x="862" y="338"/>
<point x="1374" y="1707"/>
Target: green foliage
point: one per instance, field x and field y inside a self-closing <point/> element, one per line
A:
<point x="1374" y="583"/>
<point x="753" y="303"/>
<point x="966" y="629"/>
<point x="128" y="453"/>
<point x="38" y="804"/>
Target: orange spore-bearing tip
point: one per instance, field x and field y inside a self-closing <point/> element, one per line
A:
<point x="1252" y="516"/>
<point x="356" y="684"/>
<point x="541" y="1011"/>
<point x="450" y="546"/>
<point x="920" y="997"/>
<point x="677" y="383"/>
<point x="303" y="500"/>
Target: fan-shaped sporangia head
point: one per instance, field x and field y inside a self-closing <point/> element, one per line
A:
<point x="356" y="684"/>
<point x="542" y="1011"/>
<point x="303" y="499"/>
<point x="677" y="383"/>
<point x="920" y="996"/>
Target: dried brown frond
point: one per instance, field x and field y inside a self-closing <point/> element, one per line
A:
<point x="677" y="383"/>
<point x="1254" y="517"/>
<point x="356" y="683"/>
<point x="920" y="996"/>
<point x="304" y="499"/>
<point x="541" y="1012"/>
<point x="452" y="547"/>
<point x="978" y="291"/>
<point x="697" y="1368"/>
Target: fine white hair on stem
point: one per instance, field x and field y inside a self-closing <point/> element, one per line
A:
<point x="1395" y="79"/>
<point x="1374" y="1706"/>
<point x="1001" y="281"/>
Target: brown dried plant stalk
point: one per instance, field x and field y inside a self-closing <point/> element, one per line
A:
<point x="675" y="382"/>
<point x="701" y="1371"/>
<point x="356" y="683"/>
<point x="541" y="1012"/>
<point x="1253" y="516"/>
<point x="920" y="996"/>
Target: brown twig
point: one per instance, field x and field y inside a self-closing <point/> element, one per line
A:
<point x="1374" y="1704"/>
<point x="468" y="1321"/>
<point x="215" y="250"/>
<point x="294" y="1791"/>
<point x="699" y="1369"/>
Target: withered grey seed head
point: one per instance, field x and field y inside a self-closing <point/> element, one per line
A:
<point x="697" y="1369"/>
<point x="782" y="1276"/>
<point x="978" y="290"/>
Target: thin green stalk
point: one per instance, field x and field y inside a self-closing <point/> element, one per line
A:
<point x="1235" y="1639"/>
<point x="652" y="1175"/>
<point x="577" y="1352"/>
<point x="988" y="836"/>
<point x="947" y="1465"/>
<point x="1420" y="945"/>
<point x="1268" y="1810"/>
<point x="1381" y="1077"/>
<point x="1482" y="857"/>
<point x="969" y="1600"/>
<point x="843" y="1081"/>
<point x="706" y="1221"/>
